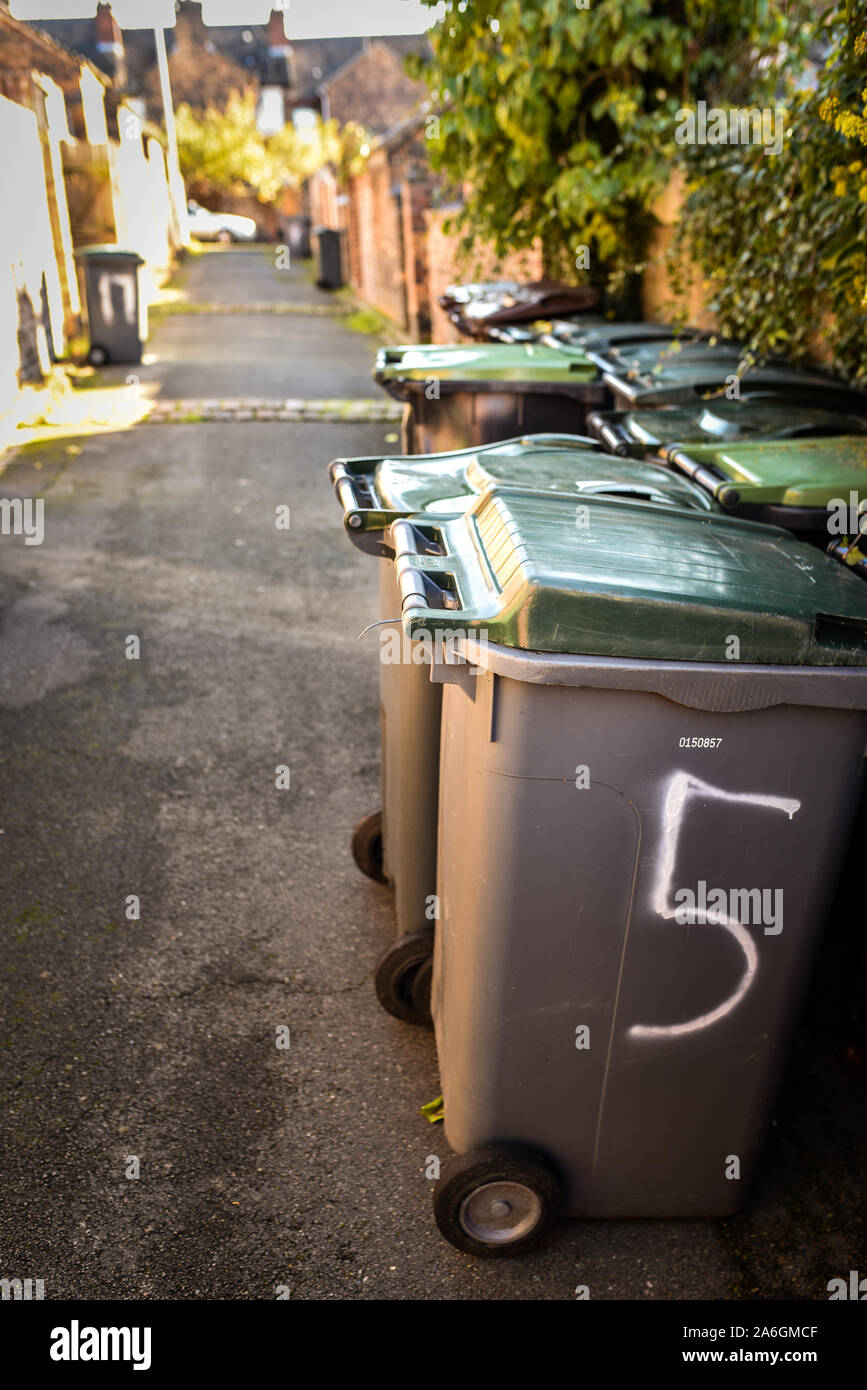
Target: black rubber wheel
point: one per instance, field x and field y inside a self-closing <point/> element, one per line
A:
<point x="98" y="355"/>
<point x="395" y="975"/>
<point x="407" y="432"/>
<point x="367" y="846"/>
<point x="420" y="991"/>
<point x="497" y="1201"/>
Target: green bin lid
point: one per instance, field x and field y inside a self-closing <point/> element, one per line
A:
<point x="617" y="580"/>
<point x="601" y="333"/>
<point x="682" y="367"/>
<point x="446" y="483"/>
<point x="727" y="420"/>
<point x="655" y="355"/>
<point x="790" y="472"/>
<point x="467" y="362"/>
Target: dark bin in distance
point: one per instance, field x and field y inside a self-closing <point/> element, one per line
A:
<point x="116" y="314"/>
<point x="297" y="233"/>
<point x="329" y="244"/>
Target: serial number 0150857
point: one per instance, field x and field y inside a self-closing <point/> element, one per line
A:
<point x="699" y="742"/>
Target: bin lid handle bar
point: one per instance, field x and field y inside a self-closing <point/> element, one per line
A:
<point x="612" y="433"/>
<point x="344" y="486"/>
<point x="709" y="478"/>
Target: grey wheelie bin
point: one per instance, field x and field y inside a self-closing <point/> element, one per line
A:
<point x="459" y="395"/>
<point x="639" y="433"/>
<point x="116" y="312"/>
<point x="398" y="844"/>
<point x="646" y="792"/>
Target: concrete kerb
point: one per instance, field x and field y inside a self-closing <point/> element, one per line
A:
<point x="349" y="410"/>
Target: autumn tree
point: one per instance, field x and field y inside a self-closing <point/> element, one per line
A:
<point x="223" y="150"/>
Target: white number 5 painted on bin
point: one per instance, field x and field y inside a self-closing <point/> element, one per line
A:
<point x="682" y="788"/>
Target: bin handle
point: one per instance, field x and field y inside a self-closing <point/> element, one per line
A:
<point x="366" y="526"/>
<point x="613" y="435"/>
<point x="418" y="589"/>
<point x="345" y="487"/>
<point x="707" y="477"/>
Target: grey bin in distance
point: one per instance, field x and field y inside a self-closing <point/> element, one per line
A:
<point x="116" y="313"/>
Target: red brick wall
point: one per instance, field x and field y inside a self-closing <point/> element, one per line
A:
<point x="400" y="257"/>
<point x="414" y="205"/>
<point x="387" y="231"/>
<point x="361" y="197"/>
<point x="323" y="199"/>
<point x="376" y="249"/>
<point x="445" y="267"/>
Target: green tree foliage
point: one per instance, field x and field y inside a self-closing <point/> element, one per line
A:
<point x="559" y="116"/>
<point x="783" y="237"/>
<point x="223" y="151"/>
<point x="356" y="143"/>
<point x="295" y="155"/>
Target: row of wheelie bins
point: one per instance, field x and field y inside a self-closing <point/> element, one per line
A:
<point x="623" y="674"/>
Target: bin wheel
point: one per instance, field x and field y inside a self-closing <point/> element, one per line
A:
<point x="395" y="977"/>
<point x="98" y="355"/>
<point x="407" y="431"/>
<point x="420" y="991"/>
<point x="367" y="846"/>
<point x="496" y="1201"/>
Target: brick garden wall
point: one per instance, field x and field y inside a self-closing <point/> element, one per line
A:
<point x="445" y="266"/>
<point x="377" y="231"/>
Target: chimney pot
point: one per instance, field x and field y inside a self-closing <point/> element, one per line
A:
<point x="276" y="32"/>
<point x="107" y="28"/>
